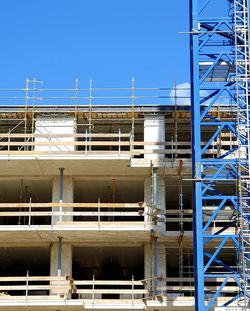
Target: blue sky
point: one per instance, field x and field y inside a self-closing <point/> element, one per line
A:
<point x="109" y="41"/>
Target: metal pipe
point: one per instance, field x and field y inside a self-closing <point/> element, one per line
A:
<point x="155" y="186"/>
<point x="155" y="264"/>
<point x="61" y="193"/>
<point x="59" y="257"/>
<point x="155" y="238"/>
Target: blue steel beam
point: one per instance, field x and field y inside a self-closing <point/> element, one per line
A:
<point x="196" y="156"/>
<point x="218" y="77"/>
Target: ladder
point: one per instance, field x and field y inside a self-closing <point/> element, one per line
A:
<point x="241" y="35"/>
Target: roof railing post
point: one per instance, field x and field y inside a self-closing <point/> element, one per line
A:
<point x="86" y="142"/>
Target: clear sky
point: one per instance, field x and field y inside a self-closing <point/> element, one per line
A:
<point x="107" y="40"/>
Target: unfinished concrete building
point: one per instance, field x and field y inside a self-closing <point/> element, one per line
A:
<point x="95" y="202"/>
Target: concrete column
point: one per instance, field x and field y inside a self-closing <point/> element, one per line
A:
<point x="66" y="259"/>
<point x="60" y="266"/>
<point x="148" y="249"/>
<point x="161" y="196"/>
<point x="147" y="195"/>
<point x="161" y="201"/>
<point x="154" y="132"/>
<point x="68" y="195"/>
<point x="148" y="261"/>
<point x="161" y="259"/>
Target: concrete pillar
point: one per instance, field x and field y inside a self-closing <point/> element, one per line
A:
<point x="148" y="261"/>
<point x="66" y="259"/>
<point x="147" y="195"/>
<point x="68" y="195"/>
<point x="161" y="197"/>
<point x="57" y="126"/>
<point x="161" y="259"/>
<point x="65" y="266"/>
<point x="161" y="203"/>
<point x="154" y="132"/>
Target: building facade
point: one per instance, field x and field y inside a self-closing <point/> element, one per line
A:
<point x="96" y="208"/>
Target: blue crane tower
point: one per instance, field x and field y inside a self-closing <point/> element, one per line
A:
<point x="219" y="44"/>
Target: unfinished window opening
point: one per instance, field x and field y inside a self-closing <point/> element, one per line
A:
<point x="179" y="271"/>
<point x="18" y="262"/>
<point x="21" y="197"/>
<point x="115" y="199"/>
<point x="108" y="264"/>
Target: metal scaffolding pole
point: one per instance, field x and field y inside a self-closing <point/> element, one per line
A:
<point x="61" y="193"/>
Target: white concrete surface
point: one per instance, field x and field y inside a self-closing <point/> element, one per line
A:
<point x="55" y="125"/>
<point x="154" y="132"/>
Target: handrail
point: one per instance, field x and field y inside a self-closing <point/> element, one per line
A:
<point x="101" y="144"/>
<point x="77" y="213"/>
<point x="70" y="205"/>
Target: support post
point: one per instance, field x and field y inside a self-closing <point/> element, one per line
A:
<point x="155" y="237"/>
<point x="59" y="257"/>
<point x="61" y="193"/>
<point x="155" y="264"/>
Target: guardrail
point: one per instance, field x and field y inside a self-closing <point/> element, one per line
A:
<point x="67" y="288"/>
<point x="119" y="144"/>
<point x="140" y="213"/>
<point x="60" y="213"/>
<point x="36" y="285"/>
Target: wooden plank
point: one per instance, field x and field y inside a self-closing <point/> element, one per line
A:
<point x="112" y="291"/>
<point x="65" y="143"/>
<point x="69" y="205"/>
<point x="187" y="279"/>
<point x="97" y="282"/>
<point x="83" y="135"/>
<point x="191" y="288"/>
<point x="115" y="224"/>
<point x="33" y="287"/>
<point x="31" y="278"/>
<point x="73" y="153"/>
<point x="93" y="214"/>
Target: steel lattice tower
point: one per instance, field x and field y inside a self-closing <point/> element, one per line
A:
<point x="219" y="96"/>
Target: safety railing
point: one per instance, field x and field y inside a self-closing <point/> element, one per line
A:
<point x="102" y="214"/>
<point x="99" y="214"/>
<point x="25" y="289"/>
<point x="115" y="289"/>
<point x="67" y="288"/>
<point x="36" y="285"/>
<point x="171" y="288"/>
<point x="101" y="144"/>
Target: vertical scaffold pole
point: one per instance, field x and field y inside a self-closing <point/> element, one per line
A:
<point x="59" y="257"/>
